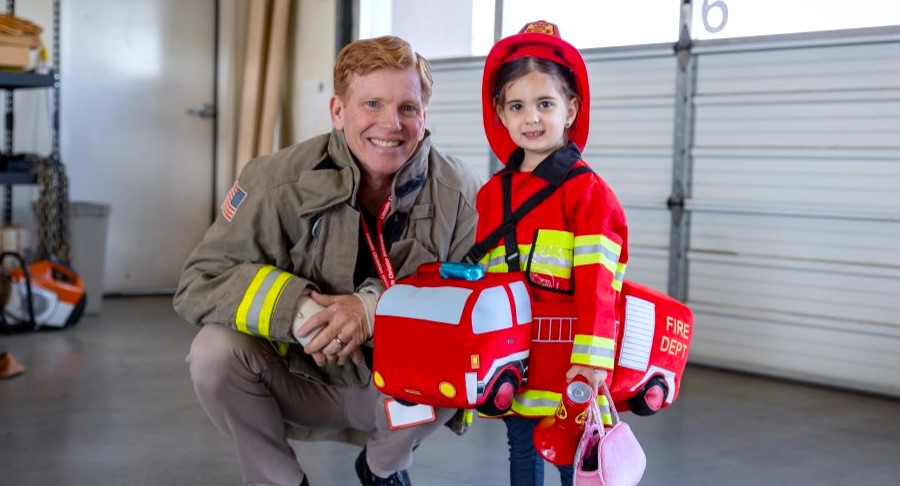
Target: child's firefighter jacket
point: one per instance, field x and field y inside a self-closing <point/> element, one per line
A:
<point x="572" y="246"/>
<point x="573" y="250"/>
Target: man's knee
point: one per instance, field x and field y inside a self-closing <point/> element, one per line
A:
<point x="214" y="355"/>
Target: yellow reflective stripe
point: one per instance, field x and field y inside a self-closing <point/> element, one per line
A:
<point x="619" y="277"/>
<point x="583" y="241"/>
<point x="594" y="341"/>
<point x="604" y="409"/>
<point x="611" y="245"/>
<point x="561" y="239"/>
<point x="546" y="269"/>
<point x="593" y="249"/>
<point x="593" y="351"/>
<point x="243" y="310"/>
<point x="591" y="360"/>
<point x="495" y="260"/>
<point x="272" y="296"/>
<point x="468" y="416"/>
<point x="254" y="313"/>
<point x="543" y="403"/>
<point x="524" y="250"/>
<point x="536" y="402"/>
<point x="552" y="253"/>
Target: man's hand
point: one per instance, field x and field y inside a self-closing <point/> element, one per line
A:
<point x="344" y="329"/>
<point x="594" y="376"/>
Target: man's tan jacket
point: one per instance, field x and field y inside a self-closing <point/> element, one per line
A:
<point x="294" y="227"/>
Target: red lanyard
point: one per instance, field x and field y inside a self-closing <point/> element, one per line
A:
<point x="382" y="261"/>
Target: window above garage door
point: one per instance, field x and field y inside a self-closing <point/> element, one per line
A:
<point x="715" y="19"/>
<point x="463" y="28"/>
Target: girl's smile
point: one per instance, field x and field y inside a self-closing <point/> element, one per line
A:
<point x="537" y="114"/>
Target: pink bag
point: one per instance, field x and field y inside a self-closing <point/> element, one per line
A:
<point x="608" y="457"/>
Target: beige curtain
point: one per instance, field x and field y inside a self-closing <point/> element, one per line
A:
<point x="263" y="26"/>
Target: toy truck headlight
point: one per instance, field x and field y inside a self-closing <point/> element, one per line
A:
<point x="379" y="381"/>
<point x="447" y="389"/>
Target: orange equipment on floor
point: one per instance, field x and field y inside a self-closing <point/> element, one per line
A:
<point x="45" y="294"/>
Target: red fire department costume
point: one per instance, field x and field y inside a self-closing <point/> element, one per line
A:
<point x="572" y="246"/>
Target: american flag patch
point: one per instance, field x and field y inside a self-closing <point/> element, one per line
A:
<point x="233" y="201"/>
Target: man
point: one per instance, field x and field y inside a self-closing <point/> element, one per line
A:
<point x="307" y="240"/>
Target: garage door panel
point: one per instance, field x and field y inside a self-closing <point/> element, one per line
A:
<point x="824" y="240"/>
<point x="646" y="128"/>
<point x="844" y="292"/>
<point x="868" y="66"/>
<point x="649" y="267"/>
<point x="869" y="123"/>
<point x="637" y="177"/>
<point x="822" y="178"/>
<point x="833" y="354"/>
<point x="624" y="78"/>
<point x="454" y="114"/>
<point x="648" y="246"/>
<point x="880" y="198"/>
<point x="823" y="108"/>
<point x="648" y="228"/>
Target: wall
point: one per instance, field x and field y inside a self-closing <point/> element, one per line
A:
<point x="313" y="55"/>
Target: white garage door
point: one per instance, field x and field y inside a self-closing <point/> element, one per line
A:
<point x="794" y="262"/>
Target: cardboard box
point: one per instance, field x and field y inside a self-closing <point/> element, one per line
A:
<point x="32" y="41"/>
<point x="13" y="56"/>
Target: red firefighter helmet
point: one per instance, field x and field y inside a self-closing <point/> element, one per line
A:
<point x="539" y="39"/>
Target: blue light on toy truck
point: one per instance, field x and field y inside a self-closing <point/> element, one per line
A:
<point x="463" y="271"/>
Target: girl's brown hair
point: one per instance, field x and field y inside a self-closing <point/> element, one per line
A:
<point x="522" y="66"/>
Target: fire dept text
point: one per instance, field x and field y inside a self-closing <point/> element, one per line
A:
<point x="671" y="345"/>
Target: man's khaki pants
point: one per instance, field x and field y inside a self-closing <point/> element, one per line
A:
<point x="250" y="395"/>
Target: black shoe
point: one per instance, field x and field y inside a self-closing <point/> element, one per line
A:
<point x="305" y="481"/>
<point x="368" y="478"/>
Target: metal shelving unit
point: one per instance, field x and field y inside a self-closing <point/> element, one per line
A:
<point x="10" y="82"/>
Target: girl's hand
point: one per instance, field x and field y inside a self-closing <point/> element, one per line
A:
<point x="594" y="376"/>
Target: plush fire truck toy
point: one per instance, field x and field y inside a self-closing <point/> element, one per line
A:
<point x="452" y="336"/>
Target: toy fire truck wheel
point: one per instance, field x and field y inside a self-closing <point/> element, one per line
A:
<point x="499" y="400"/>
<point x="650" y="398"/>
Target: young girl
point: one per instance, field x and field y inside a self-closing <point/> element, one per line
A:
<point x="571" y="245"/>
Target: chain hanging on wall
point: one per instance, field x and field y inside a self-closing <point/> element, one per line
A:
<point x="51" y="210"/>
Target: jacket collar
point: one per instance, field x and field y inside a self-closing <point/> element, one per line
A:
<point x="553" y="169"/>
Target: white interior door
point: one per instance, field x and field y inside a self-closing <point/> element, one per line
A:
<point x="130" y="72"/>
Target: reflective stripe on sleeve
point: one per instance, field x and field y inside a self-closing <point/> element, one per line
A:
<point x="495" y="260"/>
<point x="619" y="277"/>
<point x="593" y="351"/>
<point x="604" y="409"/>
<point x="536" y="403"/>
<point x="254" y="314"/>
<point x="593" y="249"/>
<point x="539" y="403"/>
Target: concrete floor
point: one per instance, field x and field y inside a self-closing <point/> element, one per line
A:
<point x="109" y="402"/>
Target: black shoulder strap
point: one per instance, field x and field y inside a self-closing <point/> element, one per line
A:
<point x="479" y="249"/>
<point x="509" y="241"/>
